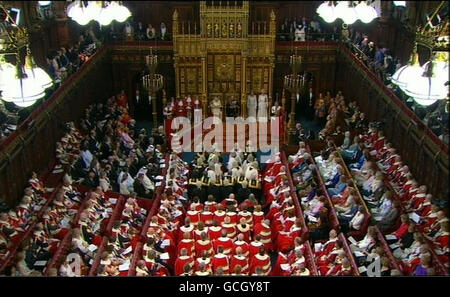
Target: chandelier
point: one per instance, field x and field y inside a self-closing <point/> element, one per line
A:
<point x="152" y="82"/>
<point x="21" y="84"/>
<point x="428" y="83"/>
<point x="295" y="82"/>
<point x="347" y="11"/>
<point x="103" y="12"/>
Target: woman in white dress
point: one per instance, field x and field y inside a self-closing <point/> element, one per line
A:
<point x="216" y="107"/>
<point x="252" y="106"/>
<point x="262" y="106"/>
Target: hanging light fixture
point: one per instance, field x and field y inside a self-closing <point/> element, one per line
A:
<point x="37" y="73"/>
<point x="93" y="9"/>
<point x="346" y="11"/>
<point x="409" y="72"/>
<point x="326" y="11"/>
<point x="106" y="15"/>
<point x="24" y="84"/>
<point x="365" y="12"/>
<point x="44" y="3"/>
<point x="427" y="88"/>
<point x="399" y="3"/>
<point x="99" y="11"/>
<point x="23" y="90"/>
<point x="121" y="12"/>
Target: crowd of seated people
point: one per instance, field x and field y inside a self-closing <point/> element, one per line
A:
<point x="108" y="151"/>
<point x="38" y="248"/>
<point x="389" y="189"/>
<point x="88" y="232"/>
<point x="15" y="222"/>
<point x="64" y="62"/>
<point x="222" y="230"/>
<point x="125" y="235"/>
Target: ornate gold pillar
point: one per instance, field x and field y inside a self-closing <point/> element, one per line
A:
<point x="244" y="88"/>
<point x="177" y="77"/>
<point x="204" y="98"/>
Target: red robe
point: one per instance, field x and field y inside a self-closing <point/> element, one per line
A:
<point x="181" y="262"/>
<point x="207" y="262"/>
<point x="442" y="240"/>
<point x="227" y="244"/>
<point x="198" y="234"/>
<point x="245" y="231"/>
<point x="239" y="260"/>
<point x="183" y="230"/>
<point x="233" y="217"/>
<point x="188" y="244"/>
<point x="219" y="217"/>
<point x="277" y="270"/>
<point x="207" y="217"/>
<point x="265" y="233"/>
<point x="285" y="242"/>
<point x="260" y="261"/>
<point x="201" y="246"/>
<point x="214" y="232"/>
<point x="221" y="261"/>
<point x="243" y="245"/>
<point x="246" y="215"/>
<point x="194" y="216"/>
<point x="230" y="228"/>
<point x="254" y="248"/>
<point x="258" y="217"/>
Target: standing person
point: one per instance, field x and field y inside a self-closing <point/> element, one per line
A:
<point x="252" y="106"/>
<point x="262" y="106"/>
<point x="163" y="32"/>
<point x="310" y="102"/>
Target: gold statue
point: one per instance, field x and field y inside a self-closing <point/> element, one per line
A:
<point x="209" y="30"/>
<point x="216" y="30"/>
<point x="231" y="30"/>
<point x="239" y="30"/>
<point x="224" y="30"/>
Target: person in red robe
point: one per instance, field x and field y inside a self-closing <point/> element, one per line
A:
<point x="205" y="259"/>
<point x="186" y="228"/>
<point x="203" y="245"/>
<point x="215" y="230"/>
<point x="285" y="239"/>
<point x="254" y="246"/>
<point x="200" y="229"/>
<point x="206" y="216"/>
<point x="193" y="215"/>
<point x="264" y="231"/>
<point x="243" y="245"/>
<point x="328" y="246"/>
<point x="223" y="241"/>
<point x="187" y="243"/>
<point x="239" y="259"/>
<point x="219" y="214"/>
<point x="229" y="227"/>
<point x="244" y="228"/>
<point x="258" y="215"/>
<point x="262" y="260"/>
<point x="282" y="266"/>
<point x="221" y="261"/>
<point x="182" y="261"/>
